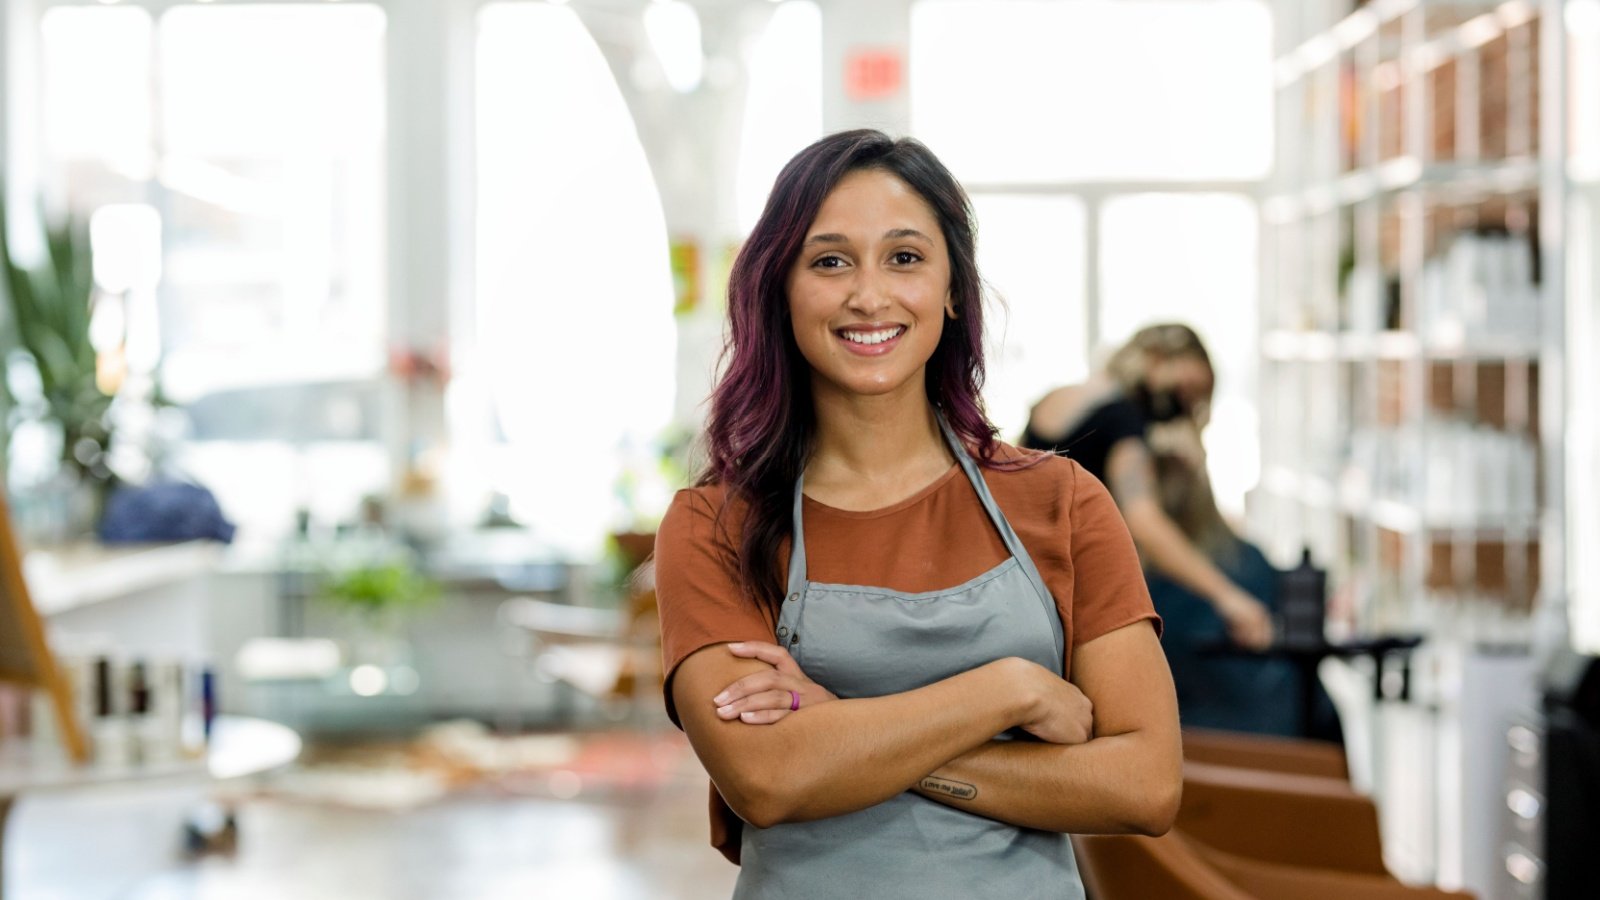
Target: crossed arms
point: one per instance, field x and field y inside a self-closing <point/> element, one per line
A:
<point x="1109" y="760"/>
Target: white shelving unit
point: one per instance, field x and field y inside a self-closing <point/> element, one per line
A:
<point x="1582" y="325"/>
<point x="1414" y="298"/>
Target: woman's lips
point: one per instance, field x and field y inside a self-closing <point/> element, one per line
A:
<point x="875" y="349"/>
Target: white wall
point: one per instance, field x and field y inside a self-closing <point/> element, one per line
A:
<point x="849" y="25"/>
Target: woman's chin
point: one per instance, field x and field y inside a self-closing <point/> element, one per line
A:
<point x="877" y="386"/>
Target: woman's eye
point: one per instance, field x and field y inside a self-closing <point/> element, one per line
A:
<point x="906" y="257"/>
<point x="829" y="262"/>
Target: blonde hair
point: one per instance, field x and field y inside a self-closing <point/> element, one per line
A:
<point x="1186" y="498"/>
<point x="1150" y="344"/>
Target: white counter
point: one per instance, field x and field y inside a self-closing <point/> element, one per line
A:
<point x="71" y="576"/>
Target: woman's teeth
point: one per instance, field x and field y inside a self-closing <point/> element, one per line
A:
<point x="871" y="337"/>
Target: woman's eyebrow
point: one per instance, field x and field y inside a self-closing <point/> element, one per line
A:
<point x="893" y="234"/>
<point x="827" y="239"/>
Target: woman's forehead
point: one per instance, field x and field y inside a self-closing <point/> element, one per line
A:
<point x="874" y="200"/>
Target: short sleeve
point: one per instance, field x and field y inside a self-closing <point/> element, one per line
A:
<point x="1120" y="420"/>
<point x="697" y="586"/>
<point x="1109" y="590"/>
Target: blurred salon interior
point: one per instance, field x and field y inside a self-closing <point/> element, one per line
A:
<point x="353" y="351"/>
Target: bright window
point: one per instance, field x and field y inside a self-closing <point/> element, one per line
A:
<point x="1175" y="256"/>
<point x="1137" y="129"/>
<point x="574" y="294"/>
<point x="1031" y="253"/>
<point x="1192" y="259"/>
<point x="273" y="168"/>
<point x="1034" y="91"/>
<point x="96" y="79"/>
<point x="252" y="137"/>
<point x="269" y="177"/>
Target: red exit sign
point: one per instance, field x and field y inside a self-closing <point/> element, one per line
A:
<point x="873" y="73"/>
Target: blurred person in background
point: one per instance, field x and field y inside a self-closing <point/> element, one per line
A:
<point x="866" y="587"/>
<point x="1227" y="692"/>
<point x="1162" y="374"/>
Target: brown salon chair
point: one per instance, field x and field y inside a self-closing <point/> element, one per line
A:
<point x="1291" y="756"/>
<point x="1131" y="867"/>
<point x="1292" y="820"/>
<point x="1266" y="880"/>
<point x="1266" y="811"/>
<point x="1128" y="867"/>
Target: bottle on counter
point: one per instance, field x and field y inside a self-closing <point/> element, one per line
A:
<point x="147" y="738"/>
<point x="1303" y="604"/>
<point x="108" y="728"/>
<point x="208" y="701"/>
<point x="163" y="732"/>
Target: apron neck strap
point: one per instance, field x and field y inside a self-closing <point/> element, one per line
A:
<point x="797" y="540"/>
<point x="959" y="449"/>
<point x="1013" y="543"/>
<point x="797" y="550"/>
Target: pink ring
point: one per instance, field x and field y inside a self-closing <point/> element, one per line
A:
<point x="794" y="700"/>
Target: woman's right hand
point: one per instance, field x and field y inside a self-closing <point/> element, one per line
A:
<point x="1249" y="623"/>
<point x="1056" y="711"/>
<point x="766" y="697"/>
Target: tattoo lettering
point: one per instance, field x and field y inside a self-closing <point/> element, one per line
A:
<point x="960" y="790"/>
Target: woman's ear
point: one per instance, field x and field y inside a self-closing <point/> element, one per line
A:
<point x="949" y="308"/>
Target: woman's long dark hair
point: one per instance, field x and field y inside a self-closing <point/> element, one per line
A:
<point x="762" y="424"/>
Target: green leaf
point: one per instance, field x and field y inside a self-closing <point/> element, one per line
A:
<point x="380" y="587"/>
<point x="50" y="308"/>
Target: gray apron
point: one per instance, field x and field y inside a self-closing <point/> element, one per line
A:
<point x="860" y="641"/>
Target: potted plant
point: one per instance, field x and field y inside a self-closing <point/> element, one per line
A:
<point x="50" y="306"/>
<point x="378" y="597"/>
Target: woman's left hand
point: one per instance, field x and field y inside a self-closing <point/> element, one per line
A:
<point x="764" y="698"/>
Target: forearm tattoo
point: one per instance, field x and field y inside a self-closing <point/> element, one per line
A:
<point x="959" y="790"/>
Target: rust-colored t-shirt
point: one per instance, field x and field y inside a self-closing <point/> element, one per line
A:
<point x="934" y="539"/>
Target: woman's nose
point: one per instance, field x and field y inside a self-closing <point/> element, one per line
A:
<point x="871" y="295"/>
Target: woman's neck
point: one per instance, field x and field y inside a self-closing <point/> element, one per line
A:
<point x="872" y="452"/>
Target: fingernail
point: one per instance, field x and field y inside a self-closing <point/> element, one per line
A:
<point x="720" y="698"/>
<point x="745" y="716"/>
<point x="724" y="710"/>
<point x="737" y="645"/>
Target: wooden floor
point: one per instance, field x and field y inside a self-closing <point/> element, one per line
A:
<point x="649" y="847"/>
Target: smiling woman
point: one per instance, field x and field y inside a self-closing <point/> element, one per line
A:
<point x="911" y="657"/>
<point x="859" y="293"/>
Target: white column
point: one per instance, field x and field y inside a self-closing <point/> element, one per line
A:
<point x="430" y="204"/>
<point x="692" y="144"/>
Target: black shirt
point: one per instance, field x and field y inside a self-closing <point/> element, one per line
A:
<point x="1091" y="439"/>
